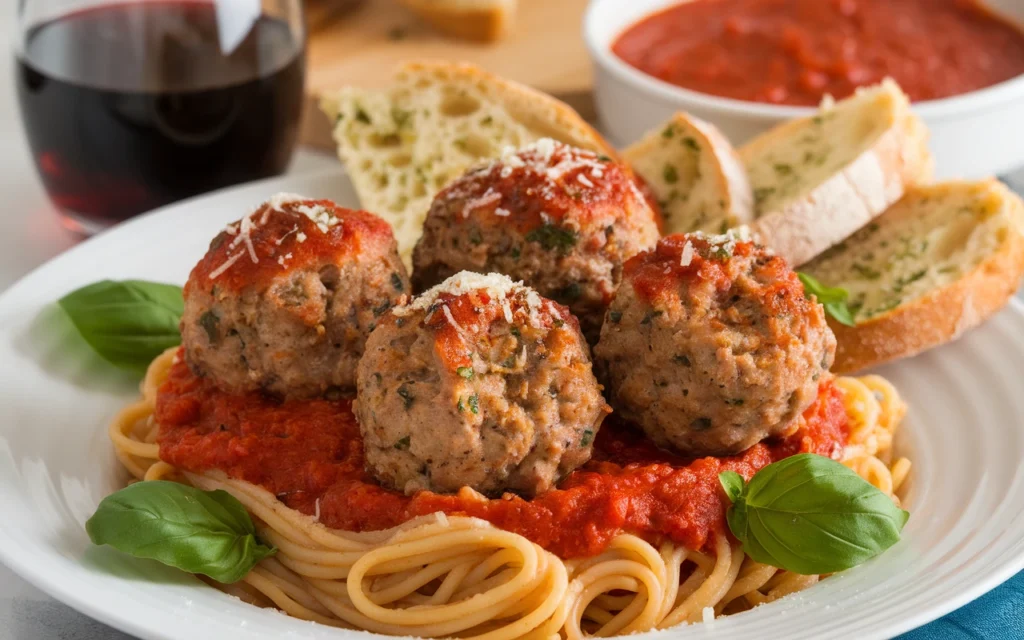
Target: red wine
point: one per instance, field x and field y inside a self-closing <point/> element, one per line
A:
<point x="133" y="105"/>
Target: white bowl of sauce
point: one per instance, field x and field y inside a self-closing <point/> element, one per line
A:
<point x="747" y="65"/>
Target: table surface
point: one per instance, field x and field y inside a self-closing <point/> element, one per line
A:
<point x="32" y="235"/>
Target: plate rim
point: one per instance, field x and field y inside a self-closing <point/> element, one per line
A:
<point x="13" y="557"/>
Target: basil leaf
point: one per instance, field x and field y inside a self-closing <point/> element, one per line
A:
<point x="809" y="514"/>
<point x="207" y="532"/>
<point x="732" y="483"/>
<point x="127" y="323"/>
<point x="832" y="298"/>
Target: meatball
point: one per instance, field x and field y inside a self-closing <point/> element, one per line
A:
<point x="479" y="382"/>
<point x="710" y="344"/>
<point x="561" y="219"/>
<point x="284" y="299"/>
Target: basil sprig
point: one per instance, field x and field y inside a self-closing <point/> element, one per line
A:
<point x="832" y="298"/>
<point x="207" y="532"/>
<point x="127" y="323"/>
<point x="809" y="514"/>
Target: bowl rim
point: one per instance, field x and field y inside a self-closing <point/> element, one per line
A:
<point x="600" y="53"/>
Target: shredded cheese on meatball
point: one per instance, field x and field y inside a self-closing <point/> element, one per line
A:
<point x="322" y="217"/>
<point x="496" y="286"/>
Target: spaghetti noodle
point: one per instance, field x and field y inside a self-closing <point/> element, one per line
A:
<point x="441" y="575"/>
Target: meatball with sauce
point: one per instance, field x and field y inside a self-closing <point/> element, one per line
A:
<point x="711" y="346"/>
<point x="561" y="219"/>
<point x="284" y="299"/>
<point x="479" y="382"/>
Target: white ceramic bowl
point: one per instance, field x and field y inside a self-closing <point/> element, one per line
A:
<point x="973" y="135"/>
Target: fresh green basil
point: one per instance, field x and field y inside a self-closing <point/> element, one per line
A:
<point x="809" y="514"/>
<point x="207" y="532"/>
<point x="832" y="298"/>
<point x="127" y="323"/>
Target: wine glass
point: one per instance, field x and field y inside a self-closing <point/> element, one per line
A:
<point x="132" y="104"/>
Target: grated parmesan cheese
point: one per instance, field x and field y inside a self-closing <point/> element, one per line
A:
<point x="278" y="200"/>
<point x="227" y="264"/>
<point x="301" y="237"/>
<point x="686" y="257"/>
<point x="285" y="236"/>
<point x="707" y="614"/>
<point x="495" y="285"/>
<point x="501" y="213"/>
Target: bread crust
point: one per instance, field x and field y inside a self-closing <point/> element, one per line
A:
<point x="851" y="198"/>
<point x="940" y="316"/>
<point x="729" y="177"/>
<point x="477" y="22"/>
<point x="534" y="108"/>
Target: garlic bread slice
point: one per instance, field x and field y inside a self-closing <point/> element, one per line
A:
<point x="939" y="262"/>
<point x="818" y="179"/>
<point x="403" y="144"/>
<point x="695" y="175"/>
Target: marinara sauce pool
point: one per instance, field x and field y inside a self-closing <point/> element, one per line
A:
<point x="796" y="51"/>
<point x="309" y="453"/>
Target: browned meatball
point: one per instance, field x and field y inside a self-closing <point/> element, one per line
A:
<point x="711" y="346"/>
<point x="561" y="219"/>
<point x="479" y="382"/>
<point x="284" y="299"/>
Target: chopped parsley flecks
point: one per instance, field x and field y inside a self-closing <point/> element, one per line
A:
<point x="571" y="292"/>
<point x="902" y="283"/>
<point x="552" y="237"/>
<point x="691" y="143"/>
<point x="650" y="315"/>
<point x="588" y="437"/>
<point x="681" y="359"/>
<point x="403" y="444"/>
<point x="209" y="322"/>
<point x="865" y="271"/>
<point x="396" y="282"/>
<point x="701" y="424"/>
<point x="382" y="309"/>
<point x="615" y="316"/>
<point x="763" y="193"/>
<point x="474" y="404"/>
<point x="465" y="372"/>
<point x="669" y="174"/>
<point x="362" y="116"/>
<point x="406" y="395"/>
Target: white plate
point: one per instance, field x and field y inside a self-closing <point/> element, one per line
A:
<point x="965" y="432"/>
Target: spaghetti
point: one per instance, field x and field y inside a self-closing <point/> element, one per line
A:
<point x="440" y="575"/>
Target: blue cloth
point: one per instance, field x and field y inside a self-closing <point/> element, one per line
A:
<point x="997" y="614"/>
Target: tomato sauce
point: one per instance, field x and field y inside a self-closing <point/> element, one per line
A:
<point x="284" y="241"/>
<point x="310" y="455"/>
<point x="796" y="51"/>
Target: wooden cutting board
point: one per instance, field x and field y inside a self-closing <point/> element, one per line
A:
<point x="363" y="46"/>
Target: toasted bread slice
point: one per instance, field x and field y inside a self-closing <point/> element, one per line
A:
<point x="816" y="180"/>
<point x="478" y="20"/>
<point x="939" y="262"/>
<point x="404" y="144"/>
<point x="695" y="175"/>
